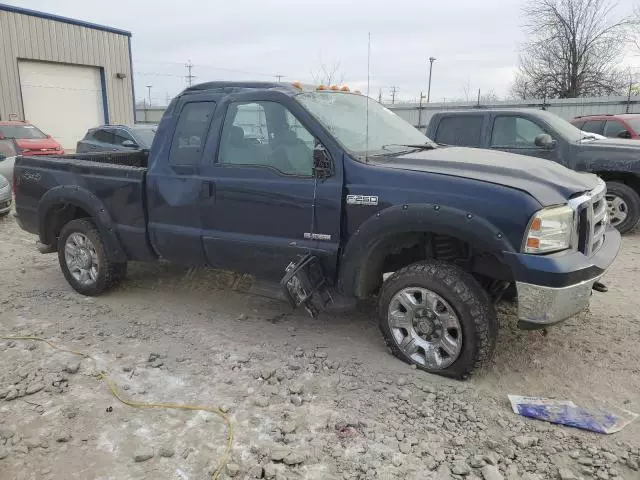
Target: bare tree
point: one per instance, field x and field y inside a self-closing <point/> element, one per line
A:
<point x="636" y="31"/>
<point x="328" y="74"/>
<point x="574" y="49"/>
<point x="466" y="90"/>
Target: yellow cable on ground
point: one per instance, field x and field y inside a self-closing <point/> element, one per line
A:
<point x="132" y="403"/>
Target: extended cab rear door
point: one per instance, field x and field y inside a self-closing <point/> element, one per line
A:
<point x="176" y="191"/>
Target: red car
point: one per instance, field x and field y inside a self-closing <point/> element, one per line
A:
<point x="29" y="140"/>
<point x="624" y="125"/>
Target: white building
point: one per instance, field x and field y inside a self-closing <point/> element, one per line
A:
<point x="63" y="75"/>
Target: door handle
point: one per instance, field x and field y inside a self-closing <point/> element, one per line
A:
<point x="206" y="189"/>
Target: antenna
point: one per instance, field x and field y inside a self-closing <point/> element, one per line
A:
<point x="366" y="154"/>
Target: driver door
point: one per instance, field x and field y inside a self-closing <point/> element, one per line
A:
<point x="261" y="210"/>
<point x="517" y="134"/>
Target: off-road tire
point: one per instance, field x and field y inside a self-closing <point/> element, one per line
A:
<point x="110" y="273"/>
<point x="465" y="295"/>
<point x="632" y="199"/>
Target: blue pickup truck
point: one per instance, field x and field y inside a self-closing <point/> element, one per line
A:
<point x="335" y="199"/>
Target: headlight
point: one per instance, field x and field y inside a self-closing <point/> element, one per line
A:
<point x="550" y="230"/>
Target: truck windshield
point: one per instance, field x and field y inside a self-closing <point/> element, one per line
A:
<point x="560" y="125"/>
<point x="345" y="116"/>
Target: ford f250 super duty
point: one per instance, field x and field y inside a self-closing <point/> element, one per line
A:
<point x="337" y="199"/>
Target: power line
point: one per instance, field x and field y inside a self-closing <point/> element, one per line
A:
<point x="394" y="90"/>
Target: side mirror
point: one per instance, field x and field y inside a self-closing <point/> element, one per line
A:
<point x="624" y="134"/>
<point x="544" y="140"/>
<point x="322" y="164"/>
<point x="129" y="144"/>
<point x="48" y="136"/>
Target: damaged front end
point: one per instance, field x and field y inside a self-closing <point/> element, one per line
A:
<point x="305" y="284"/>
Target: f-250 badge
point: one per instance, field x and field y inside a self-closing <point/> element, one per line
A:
<point x="362" y="200"/>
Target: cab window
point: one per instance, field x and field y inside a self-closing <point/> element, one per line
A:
<point x="266" y="134"/>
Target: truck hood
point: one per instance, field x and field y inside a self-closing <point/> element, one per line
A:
<point x="608" y="155"/>
<point x="548" y="182"/>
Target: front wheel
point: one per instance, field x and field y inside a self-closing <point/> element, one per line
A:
<point x="436" y="316"/>
<point x="83" y="259"/>
<point x="623" y="205"/>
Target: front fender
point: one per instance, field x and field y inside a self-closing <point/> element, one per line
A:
<point x="89" y="202"/>
<point x="432" y="218"/>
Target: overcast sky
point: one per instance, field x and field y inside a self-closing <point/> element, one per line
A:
<point x="475" y="42"/>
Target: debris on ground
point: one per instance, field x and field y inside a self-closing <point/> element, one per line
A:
<point x="565" y="412"/>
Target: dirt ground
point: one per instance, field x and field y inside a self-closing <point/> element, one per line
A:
<point x="309" y="399"/>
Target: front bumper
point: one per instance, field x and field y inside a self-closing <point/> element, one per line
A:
<point x="540" y="306"/>
<point x="552" y="288"/>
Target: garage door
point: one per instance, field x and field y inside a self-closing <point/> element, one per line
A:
<point x="62" y="100"/>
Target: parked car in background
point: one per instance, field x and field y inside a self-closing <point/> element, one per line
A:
<point x="29" y="140"/>
<point x="8" y="154"/>
<point x="611" y="126"/>
<point x="538" y="133"/>
<point x="5" y="196"/>
<point x="117" y="138"/>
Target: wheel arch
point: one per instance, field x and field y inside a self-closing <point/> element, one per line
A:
<point x="363" y="255"/>
<point x="630" y="179"/>
<point x="64" y="203"/>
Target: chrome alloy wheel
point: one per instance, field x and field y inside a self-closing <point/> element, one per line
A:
<point x="425" y="327"/>
<point x="617" y="208"/>
<point x="81" y="258"/>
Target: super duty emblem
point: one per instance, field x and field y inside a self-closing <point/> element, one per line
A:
<point x="362" y="200"/>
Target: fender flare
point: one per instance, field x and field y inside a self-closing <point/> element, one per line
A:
<point x="88" y="201"/>
<point x="399" y="219"/>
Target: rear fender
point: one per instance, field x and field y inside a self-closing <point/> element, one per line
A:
<point x="89" y="202"/>
<point x="356" y="263"/>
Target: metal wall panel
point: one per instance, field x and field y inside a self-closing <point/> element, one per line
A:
<point x="30" y="37"/>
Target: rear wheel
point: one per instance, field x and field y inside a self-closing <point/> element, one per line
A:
<point x="623" y="204"/>
<point x="83" y="259"/>
<point x="437" y="317"/>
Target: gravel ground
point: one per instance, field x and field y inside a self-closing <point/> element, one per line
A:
<point x="309" y="399"/>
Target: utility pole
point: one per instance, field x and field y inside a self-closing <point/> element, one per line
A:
<point x="394" y="90"/>
<point x="278" y="78"/>
<point x="431" y="60"/>
<point x="149" y="88"/>
<point x="189" y="77"/>
<point x="420" y="111"/>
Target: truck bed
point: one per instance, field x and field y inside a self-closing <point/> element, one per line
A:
<point x="109" y="185"/>
<point x="137" y="158"/>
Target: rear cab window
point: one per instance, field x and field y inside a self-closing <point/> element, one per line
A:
<point x="191" y="132"/>
<point x="461" y="130"/>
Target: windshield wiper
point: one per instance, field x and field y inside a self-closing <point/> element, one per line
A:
<point x="421" y="146"/>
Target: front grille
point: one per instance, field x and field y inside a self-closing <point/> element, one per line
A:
<point x="591" y="209"/>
